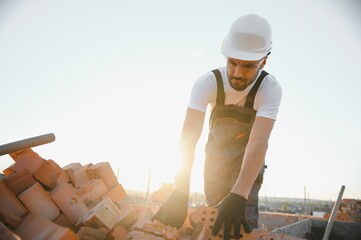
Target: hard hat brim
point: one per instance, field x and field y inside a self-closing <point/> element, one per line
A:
<point x="243" y="55"/>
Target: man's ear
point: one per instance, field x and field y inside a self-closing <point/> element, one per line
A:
<point x="264" y="61"/>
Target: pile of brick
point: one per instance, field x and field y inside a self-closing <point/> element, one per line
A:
<point x="41" y="200"/>
<point x="340" y="216"/>
<point x="202" y="220"/>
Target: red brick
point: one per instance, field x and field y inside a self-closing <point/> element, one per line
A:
<point x="8" y="218"/>
<point x="118" y="233"/>
<point x="7" y="234"/>
<point x="19" y="181"/>
<point x="63" y="221"/>
<point x="69" y="202"/>
<point x="8" y="171"/>
<point x="104" y="171"/>
<point x="26" y="159"/>
<point x="103" y="215"/>
<point x="37" y="200"/>
<point x="35" y="227"/>
<point x="47" y="174"/>
<point x="116" y="194"/>
<point x="76" y="174"/>
<point x="88" y="233"/>
<point x="63" y="177"/>
<point x="92" y="191"/>
<point x="61" y="233"/>
<point x="128" y="216"/>
<point x="10" y="202"/>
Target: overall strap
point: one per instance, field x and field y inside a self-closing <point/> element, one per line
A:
<point x="220" y="88"/>
<point x="252" y="94"/>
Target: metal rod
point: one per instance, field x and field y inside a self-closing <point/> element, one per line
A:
<point x="333" y="214"/>
<point x="26" y="143"/>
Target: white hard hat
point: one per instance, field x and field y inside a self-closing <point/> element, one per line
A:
<point x="248" y="39"/>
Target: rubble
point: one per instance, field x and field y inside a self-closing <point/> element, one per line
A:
<point x="41" y="200"/>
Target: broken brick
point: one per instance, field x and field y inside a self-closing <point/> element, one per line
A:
<point x="76" y="174"/>
<point x="103" y="215"/>
<point x="104" y="171"/>
<point x="92" y="191"/>
<point x="69" y="202"/>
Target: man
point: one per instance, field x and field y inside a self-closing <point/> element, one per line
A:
<point x="244" y="100"/>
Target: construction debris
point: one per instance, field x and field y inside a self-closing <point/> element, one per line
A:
<point x="41" y="200"/>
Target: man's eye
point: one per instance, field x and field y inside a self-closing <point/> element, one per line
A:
<point x="249" y="66"/>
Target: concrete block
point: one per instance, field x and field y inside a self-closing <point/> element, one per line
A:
<point x="69" y="202"/>
<point x="19" y="181"/>
<point x="76" y="174"/>
<point x="10" y="202"/>
<point x="116" y="193"/>
<point x="103" y="171"/>
<point x="92" y="191"/>
<point x="103" y="215"/>
<point x="37" y="200"/>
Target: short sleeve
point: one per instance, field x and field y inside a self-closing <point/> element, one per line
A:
<point x="203" y="92"/>
<point x="268" y="98"/>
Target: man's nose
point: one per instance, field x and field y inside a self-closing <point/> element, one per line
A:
<point x="238" y="71"/>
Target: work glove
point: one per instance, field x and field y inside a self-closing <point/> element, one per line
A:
<point x="231" y="210"/>
<point x="174" y="210"/>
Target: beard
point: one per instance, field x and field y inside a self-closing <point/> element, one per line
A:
<point x="238" y="84"/>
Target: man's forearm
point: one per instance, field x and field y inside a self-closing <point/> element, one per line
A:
<point x="192" y="129"/>
<point x="251" y="166"/>
<point x="182" y="179"/>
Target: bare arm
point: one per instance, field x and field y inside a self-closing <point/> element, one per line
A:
<point x="192" y="129"/>
<point x="254" y="156"/>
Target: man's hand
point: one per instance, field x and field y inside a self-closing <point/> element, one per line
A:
<point x="231" y="210"/>
<point x="174" y="210"/>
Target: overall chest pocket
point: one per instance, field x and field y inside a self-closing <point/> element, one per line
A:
<point x="231" y="124"/>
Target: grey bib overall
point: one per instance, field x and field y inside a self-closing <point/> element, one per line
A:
<point x="229" y="131"/>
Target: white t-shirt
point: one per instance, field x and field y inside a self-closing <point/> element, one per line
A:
<point x="266" y="103"/>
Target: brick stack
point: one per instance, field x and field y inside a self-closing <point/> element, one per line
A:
<point x="41" y="200"/>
